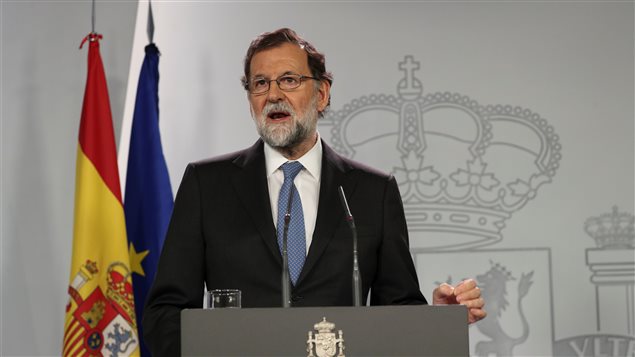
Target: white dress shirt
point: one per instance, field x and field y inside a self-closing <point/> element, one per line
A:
<point x="307" y="183"/>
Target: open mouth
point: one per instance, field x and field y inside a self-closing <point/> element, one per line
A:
<point x="278" y="115"/>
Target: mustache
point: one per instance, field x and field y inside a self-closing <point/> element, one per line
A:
<point x="277" y="107"/>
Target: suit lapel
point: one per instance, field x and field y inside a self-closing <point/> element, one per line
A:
<point x="330" y="213"/>
<point x="251" y="186"/>
<point x="252" y="189"/>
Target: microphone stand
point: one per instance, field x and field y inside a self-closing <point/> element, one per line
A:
<point x="357" y="279"/>
<point x="286" y="280"/>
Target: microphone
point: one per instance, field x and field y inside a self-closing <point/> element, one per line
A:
<point x="357" y="279"/>
<point x="286" y="280"/>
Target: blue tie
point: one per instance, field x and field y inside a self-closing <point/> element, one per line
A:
<point x="296" y="241"/>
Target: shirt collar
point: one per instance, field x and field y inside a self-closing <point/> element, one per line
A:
<point x="312" y="160"/>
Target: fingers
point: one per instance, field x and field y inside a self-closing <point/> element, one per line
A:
<point x="478" y="303"/>
<point x="475" y="315"/>
<point x="464" y="286"/>
<point x="444" y="290"/>
<point x="468" y="295"/>
<point x="466" y="291"/>
<point x="443" y="295"/>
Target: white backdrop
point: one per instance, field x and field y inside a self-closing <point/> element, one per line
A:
<point x="571" y="63"/>
<point x="567" y="66"/>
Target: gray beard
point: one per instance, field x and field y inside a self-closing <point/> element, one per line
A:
<point x="290" y="134"/>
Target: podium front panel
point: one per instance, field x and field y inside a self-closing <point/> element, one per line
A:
<point x="367" y="331"/>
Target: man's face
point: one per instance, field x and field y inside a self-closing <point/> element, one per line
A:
<point x="286" y="118"/>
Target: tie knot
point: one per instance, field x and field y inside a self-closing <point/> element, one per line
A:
<point x="291" y="169"/>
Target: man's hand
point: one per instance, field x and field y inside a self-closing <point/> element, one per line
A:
<point x="464" y="293"/>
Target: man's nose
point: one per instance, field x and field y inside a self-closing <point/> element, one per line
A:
<point x="275" y="93"/>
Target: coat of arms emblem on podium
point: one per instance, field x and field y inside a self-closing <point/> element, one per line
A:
<point x="324" y="343"/>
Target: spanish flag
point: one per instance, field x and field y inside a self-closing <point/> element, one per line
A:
<point x="100" y="314"/>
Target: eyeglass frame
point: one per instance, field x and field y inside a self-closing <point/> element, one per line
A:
<point x="301" y="79"/>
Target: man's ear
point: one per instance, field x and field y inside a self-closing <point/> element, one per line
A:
<point x="324" y="94"/>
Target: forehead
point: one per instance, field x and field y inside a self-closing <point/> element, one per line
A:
<point x="279" y="60"/>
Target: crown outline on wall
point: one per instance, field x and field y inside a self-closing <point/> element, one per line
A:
<point x="506" y="154"/>
<point x="613" y="230"/>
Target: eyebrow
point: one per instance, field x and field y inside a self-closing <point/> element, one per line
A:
<point x="260" y="76"/>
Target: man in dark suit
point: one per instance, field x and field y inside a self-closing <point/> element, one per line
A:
<point x="226" y="229"/>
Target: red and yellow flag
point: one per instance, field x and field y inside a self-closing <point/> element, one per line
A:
<point x="100" y="314"/>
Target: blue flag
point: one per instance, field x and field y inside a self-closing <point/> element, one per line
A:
<point x="148" y="200"/>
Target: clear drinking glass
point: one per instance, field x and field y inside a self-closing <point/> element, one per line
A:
<point x="221" y="298"/>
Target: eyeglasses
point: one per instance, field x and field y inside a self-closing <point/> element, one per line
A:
<point x="286" y="82"/>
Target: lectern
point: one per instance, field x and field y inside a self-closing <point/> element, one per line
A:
<point x="311" y="331"/>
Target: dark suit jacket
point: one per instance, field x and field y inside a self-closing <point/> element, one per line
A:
<point x="222" y="233"/>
